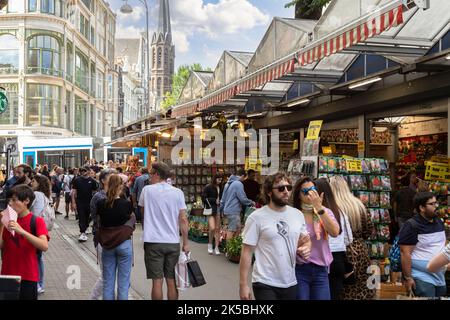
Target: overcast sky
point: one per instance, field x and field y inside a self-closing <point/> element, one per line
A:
<point x="203" y="29"/>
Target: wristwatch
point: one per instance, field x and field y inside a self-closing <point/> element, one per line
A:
<point x="321" y="212"/>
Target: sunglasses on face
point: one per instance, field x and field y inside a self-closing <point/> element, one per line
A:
<point x="306" y="190"/>
<point x="287" y="187"/>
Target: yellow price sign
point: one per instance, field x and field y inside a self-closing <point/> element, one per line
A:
<point x="437" y="171"/>
<point x="295" y="145"/>
<point x="353" y="165"/>
<point x="314" y="130"/>
<point x="361" y="146"/>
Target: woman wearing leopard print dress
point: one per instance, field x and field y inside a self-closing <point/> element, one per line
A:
<point x="357" y="252"/>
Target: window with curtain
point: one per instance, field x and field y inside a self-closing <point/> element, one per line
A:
<point x="32" y="5"/>
<point x="16" y="6"/>
<point x="43" y="105"/>
<point x="81" y="109"/>
<point x="9" y="54"/>
<point x="10" y="116"/>
<point x="44" y="55"/>
<point x="81" y="71"/>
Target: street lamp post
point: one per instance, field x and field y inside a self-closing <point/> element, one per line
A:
<point x="127" y="9"/>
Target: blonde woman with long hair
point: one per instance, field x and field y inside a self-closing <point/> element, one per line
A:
<point x="357" y="252"/>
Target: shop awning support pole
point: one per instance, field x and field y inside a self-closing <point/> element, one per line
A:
<point x="362" y="134"/>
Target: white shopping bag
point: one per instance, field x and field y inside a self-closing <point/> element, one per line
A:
<point x="181" y="272"/>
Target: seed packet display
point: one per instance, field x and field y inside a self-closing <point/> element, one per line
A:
<point x="332" y="165"/>
<point x="385" y="183"/>
<point x="374" y="199"/>
<point x="185" y="180"/>
<point x="198" y="180"/>
<point x="323" y="164"/>
<point x="365" y="166"/>
<point x="375" y="183"/>
<point x="384" y="166"/>
<point x="376" y="250"/>
<point x="199" y="171"/>
<point x="192" y="171"/>
<point x="199" y="189"/>
<point x="358" y="182"/>
<point x="374" y="215"/>
<point x="373" y="235"/>
<point x="383" y="232"/>
<point x="364" y="197"/>
<point x="385" y="217"/>
<point x="375" y="165"/>
<point x="341" y="165"/>
<point x="385" y="200"/>
<point x="185" y="171"/>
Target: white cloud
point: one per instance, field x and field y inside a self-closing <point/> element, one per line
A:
<point x="214" y="19"/>
<point x="181" y="42"/>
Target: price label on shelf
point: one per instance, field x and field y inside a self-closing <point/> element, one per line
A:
<point x="353" y="165"/>
<point x="314" y="130"/>
<point x="327" y="150"/>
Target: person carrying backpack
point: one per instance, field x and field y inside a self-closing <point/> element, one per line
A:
<point x="42" y="207"/>
<point x="20" y="240"/>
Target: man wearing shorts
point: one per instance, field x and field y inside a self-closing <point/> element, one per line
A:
<point x="164" y="216"/>
<point x="233" y="198"/>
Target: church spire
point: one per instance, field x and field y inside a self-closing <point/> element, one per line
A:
<point x="164" y="18"/>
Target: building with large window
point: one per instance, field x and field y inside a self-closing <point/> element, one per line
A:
<point x="57" y="68"/>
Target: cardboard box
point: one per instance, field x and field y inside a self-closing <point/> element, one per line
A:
<point x="390" y="291"/>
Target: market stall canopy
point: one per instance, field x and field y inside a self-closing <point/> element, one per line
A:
<point x="292" y="38"/>
<point x="160" y="125"/>
<point x="195" y="86"/>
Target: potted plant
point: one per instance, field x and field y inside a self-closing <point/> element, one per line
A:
<point x="197" y="208"/>
<point x="233" y="249"/>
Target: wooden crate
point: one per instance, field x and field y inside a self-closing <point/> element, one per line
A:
<point x="390" y="291"/>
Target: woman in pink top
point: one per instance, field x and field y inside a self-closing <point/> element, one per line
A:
<point x="312" y="275"/>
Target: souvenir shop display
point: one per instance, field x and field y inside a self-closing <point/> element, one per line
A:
<point x="370" y="181"/>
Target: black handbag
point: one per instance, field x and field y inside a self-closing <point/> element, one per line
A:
<point x="195" y="274"/>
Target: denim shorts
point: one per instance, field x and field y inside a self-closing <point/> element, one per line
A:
<point x="234" y="222"/>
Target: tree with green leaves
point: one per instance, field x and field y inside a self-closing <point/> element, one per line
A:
<point x="179" y="80"/>
<point x="307" y="9"/>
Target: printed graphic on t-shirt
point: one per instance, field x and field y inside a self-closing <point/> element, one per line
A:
<point x="283" y="230"/>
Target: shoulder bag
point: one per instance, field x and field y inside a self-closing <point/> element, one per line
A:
<point x="111" y="237"/>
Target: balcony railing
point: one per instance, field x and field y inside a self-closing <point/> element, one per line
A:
<point x="46" y="71"/>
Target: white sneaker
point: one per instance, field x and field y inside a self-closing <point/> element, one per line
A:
<point x="83" y="238"/>
<point x="40" y="290"/>
<point x="210" y="248"/>
<point x="217" y="251"/>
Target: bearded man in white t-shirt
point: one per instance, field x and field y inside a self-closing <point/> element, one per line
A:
<point x="164" y="216"/>
<point x="276" y="233"/>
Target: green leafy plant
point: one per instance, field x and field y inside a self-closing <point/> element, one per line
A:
<point x="234" y="246"/>
<point x="307" y="9"/>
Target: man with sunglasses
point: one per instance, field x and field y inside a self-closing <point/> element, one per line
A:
<point x="276" y="233"/>
<point x="420" y="239"/>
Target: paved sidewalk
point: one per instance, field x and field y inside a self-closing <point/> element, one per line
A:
<point x="67" y="257"/>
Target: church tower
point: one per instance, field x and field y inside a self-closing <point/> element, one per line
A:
<point x="162" y="57"/>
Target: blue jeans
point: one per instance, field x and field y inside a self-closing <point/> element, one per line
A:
<point x="41" y="271"/>
<point x="425" y="289"/>
<point x="118" y="259"/>
<point x="313" y="283"/>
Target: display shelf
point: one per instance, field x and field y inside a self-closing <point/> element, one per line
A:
<point x="356" y="143"/>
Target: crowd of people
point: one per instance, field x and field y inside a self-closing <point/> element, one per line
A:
<point x="305" y="241"/>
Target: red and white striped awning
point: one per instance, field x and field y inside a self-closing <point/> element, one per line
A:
<point x="185" y="109"/>
<point x="368" y="29"/>
<point x="217" y="98"/>
<point x="267" y="75"/>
